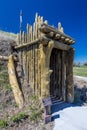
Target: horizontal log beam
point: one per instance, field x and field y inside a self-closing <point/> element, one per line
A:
<point x="44" y="40"/>
<point x="5" y="58"/>
<point x="60" y="45"/>
<point x="27" y="44"/>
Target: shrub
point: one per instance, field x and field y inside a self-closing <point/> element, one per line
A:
<point x="85" y="64"/>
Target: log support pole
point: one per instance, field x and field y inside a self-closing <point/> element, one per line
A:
<point x="45" y="52"/>
<point x="18" y="94"/>
<point x="69" y="76"/>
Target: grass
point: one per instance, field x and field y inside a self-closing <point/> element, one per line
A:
<point x="80" y="71"/>
<point x="35" y="114"/>
<point x="18" y="117"/>
<point x="3" y="123"/>
<point x="35" y="110"/>
<point x="4" y="80"/>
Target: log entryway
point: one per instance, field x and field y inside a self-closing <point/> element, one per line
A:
<point x="46" y="56"/>
<point x="56" y="76"/>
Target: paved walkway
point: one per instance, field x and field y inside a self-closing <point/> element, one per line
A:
<point x="71" y="118"/>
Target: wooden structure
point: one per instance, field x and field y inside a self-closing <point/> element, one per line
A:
<point x="47" y="56"/>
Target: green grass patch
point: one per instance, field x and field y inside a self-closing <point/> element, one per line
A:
<point x="17" y="118"/>
<point x="3" y="123"/>
<point x="4" y="80"/>
<point x="80" y="71"/>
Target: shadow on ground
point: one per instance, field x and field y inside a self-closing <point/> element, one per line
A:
<point x="80" y="98"/>
<point x="61" y="106"/>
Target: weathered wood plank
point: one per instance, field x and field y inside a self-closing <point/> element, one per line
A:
<point x="27" y="44"/>
<point x="30" y="66"/>
<point x="29" y="60"/>
<point x="58" y="74"/>
<point x="18" y="94"/>
<point x="36" y="69"/>
<point x="23" y="61"/>
<point x="69" y="76"/>
<point x="33" y="67"/>
<point x="20" y="37"/>
<point x="61" y="46"/>
<point x="3" y="57"/>
<point x="39" y="72"/>
<point x="27" y="28"/>
<point x="63" y="76"/>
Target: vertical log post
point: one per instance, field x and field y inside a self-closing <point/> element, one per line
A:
<point x="18" y="94"/>
<point x="63" y="76"/>
<point x="69" y="76"/>
<point x="45" y="53"/>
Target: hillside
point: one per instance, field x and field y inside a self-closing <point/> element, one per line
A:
<point x="7" y="35"/>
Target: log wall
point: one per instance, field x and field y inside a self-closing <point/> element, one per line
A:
<point x="30" y="58"/>
<point x="32" y="32"/>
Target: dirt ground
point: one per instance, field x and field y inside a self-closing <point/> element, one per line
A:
<point x="80" y="82"/>
<point x="80" y="89"/>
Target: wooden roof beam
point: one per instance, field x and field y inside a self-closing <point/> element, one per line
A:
<point x="51" y="32"/>
<point x="45" y="41"/>
<point x="60" y="45"/>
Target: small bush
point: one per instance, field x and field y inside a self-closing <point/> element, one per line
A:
<point x="3" y="123"/>
<point x="18" y="117"/>
<point x="85" y="64"/>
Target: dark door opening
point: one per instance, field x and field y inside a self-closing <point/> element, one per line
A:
<point x="55" y="78"/>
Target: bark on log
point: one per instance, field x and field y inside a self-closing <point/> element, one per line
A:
<point x="18" y="94"/>
<point x="47" y="29"/>
<point x="69" y="76"/>
<point x="60" y="45"/>
<point x="6" y="58"/>
<point x="63" y="76"/>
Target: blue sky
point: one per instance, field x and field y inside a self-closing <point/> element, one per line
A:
<point x="71" y="13"/>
